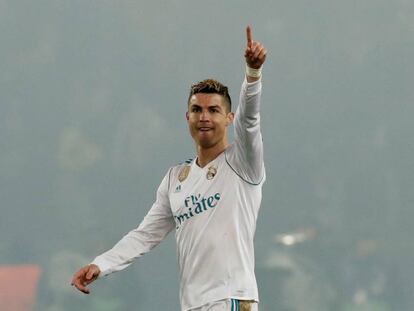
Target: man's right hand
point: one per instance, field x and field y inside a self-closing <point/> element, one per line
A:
<point x="85" y="276"/>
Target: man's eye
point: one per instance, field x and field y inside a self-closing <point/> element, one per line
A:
<point x="195" y="109"/>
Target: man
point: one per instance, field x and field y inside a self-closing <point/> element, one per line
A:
<point x="212" y="201"/>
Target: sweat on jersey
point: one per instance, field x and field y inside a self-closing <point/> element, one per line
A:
<point x="213" y="211"/>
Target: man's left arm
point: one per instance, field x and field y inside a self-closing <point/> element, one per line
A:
<point x="247" y="160"/>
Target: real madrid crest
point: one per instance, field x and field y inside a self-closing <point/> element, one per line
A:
<point x="212" y="171"/>
<point x="184" y="173"/>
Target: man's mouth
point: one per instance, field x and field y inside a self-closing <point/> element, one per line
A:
<point x="204" y="129"/>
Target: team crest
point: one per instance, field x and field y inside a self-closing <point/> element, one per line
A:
<point x="184" y="173"/>
<point x="212" y="171"/>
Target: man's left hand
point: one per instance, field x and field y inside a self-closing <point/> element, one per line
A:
<point x="255" y="52"/>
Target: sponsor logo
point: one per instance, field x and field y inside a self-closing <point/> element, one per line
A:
<point x="196" y="204"/>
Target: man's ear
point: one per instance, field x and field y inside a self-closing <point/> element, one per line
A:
<point x="187" y="116"/>
<point x="230" y="118"/>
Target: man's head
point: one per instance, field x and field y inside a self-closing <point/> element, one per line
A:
<point x="209" y="114"/>
<point x="211" y="86"/>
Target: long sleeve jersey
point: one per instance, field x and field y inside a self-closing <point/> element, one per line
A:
<point x="213" y="211"/>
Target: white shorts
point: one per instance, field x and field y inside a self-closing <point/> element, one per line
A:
<point x="225" y="305"/>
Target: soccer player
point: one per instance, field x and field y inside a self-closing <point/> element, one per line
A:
<point x="211" y="202"/>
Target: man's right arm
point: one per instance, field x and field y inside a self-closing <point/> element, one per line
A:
<point x="153" y="229"/>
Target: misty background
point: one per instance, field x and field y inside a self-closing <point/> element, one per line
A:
<point x="92" y="104"/>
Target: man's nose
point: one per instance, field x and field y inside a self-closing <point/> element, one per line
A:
<point x="204" y="115"/>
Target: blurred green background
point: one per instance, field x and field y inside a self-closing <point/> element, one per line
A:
<point x="92" y="102"/>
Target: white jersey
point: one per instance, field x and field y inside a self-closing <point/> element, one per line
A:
<point x="213" y="211"/>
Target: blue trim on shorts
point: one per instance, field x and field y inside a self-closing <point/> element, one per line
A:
<point x="235" y="305"/>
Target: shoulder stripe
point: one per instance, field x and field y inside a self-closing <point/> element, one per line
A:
<point x="169" y="178"/>
<point x="249" y="182"/>
<point x="186" y="161"/>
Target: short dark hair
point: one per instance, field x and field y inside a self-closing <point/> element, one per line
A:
<point x="211" y="86"/>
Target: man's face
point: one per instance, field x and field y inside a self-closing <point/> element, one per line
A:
<point x="208" y="118"/>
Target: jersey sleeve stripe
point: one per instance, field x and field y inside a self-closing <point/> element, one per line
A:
<point x="249" y="182"/>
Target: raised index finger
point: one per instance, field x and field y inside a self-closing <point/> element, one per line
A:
<point x="249" y="36"/>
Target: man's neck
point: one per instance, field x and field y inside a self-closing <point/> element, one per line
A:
<point x="206" y="155"/>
